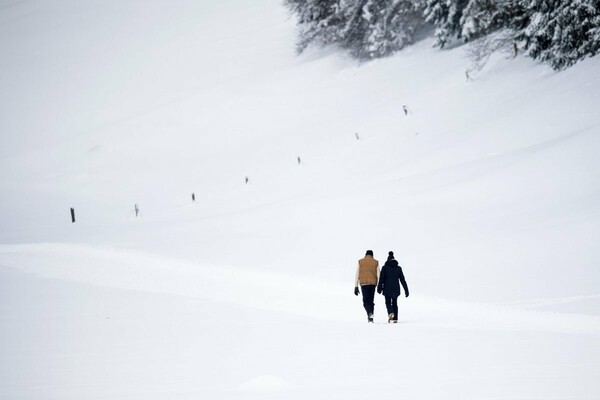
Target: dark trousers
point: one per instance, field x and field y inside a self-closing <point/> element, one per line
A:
<point x="368" y="293"/>
<point x="391" y="303"/>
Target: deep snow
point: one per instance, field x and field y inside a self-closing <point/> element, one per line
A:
<point x="487" y="191"/>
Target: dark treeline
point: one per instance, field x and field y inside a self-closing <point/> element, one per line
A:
<point x="559" y="32"/>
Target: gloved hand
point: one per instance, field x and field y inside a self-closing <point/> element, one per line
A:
<point x="379" y="290"/>
<point x="406" y="294"/>
<point x="356" y="292"/>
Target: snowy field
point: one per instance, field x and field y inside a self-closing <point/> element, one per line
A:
<point x="488" y="192"/>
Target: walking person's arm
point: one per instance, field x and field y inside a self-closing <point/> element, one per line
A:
<point x="381" y="279"/>
<point x="357" y="280"/>
<point x="403" y="282"/>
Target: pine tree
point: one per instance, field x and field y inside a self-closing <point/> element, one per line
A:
<point x="562" y="32"/>
<point x="574" y="38"/>
<point x="319" y="21"/>
<point x="539" y="32"/>
<point x="357" y="24"/>
<point x="392" y="25"/>
<point x="477" y="19"/>
<point x="482" y="17"/>
<point x="446" y="16"/>
<point x="367" y="29"/>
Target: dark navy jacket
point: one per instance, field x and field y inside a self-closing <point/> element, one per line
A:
<point x="391" y="274"/>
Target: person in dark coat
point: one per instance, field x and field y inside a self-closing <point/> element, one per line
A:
<point x="391" y="274"/>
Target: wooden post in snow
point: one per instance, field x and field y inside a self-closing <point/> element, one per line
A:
<point x="72" y="215"/>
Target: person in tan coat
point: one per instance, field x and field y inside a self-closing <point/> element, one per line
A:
<point x="367" y="275"/>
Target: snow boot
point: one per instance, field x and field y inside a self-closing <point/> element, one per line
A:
<point x="370" y="318"/>
<point x="390" y="317"/>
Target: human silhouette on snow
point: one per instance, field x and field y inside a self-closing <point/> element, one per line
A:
<point x="367" y="273"/>
<point x="391" y="274"/>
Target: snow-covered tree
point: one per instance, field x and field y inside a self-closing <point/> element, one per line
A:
<point x="357" y="24"/>
<point x="389" y="25"/>
<point x="319" y="21"/>
<point x="477" y="19"/>
<point x="366" y="28"/>
<point x="491" y="26"/>
<point x="576" y="32"/>
<point x="562" y="32"/>
<point x="446" y="16"/>
<point x="482" y="17"/>
<point x="539" y="32"/>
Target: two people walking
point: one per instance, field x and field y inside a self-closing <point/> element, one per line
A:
<point x="386" y="282"/>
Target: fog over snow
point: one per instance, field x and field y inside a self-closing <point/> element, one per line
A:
<point x="487" y="190"/>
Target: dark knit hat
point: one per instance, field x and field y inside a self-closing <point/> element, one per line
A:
<point x="369" y="253"/>
<point x="390" y="255"/>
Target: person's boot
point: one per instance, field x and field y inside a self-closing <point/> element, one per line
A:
<point x="370" y="317"/>
<point x="390" y="317"/>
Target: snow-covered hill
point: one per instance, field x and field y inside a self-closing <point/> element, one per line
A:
<point x="487" y="190"/>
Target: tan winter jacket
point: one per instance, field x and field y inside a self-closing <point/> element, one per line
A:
<point x="367" y="271"/>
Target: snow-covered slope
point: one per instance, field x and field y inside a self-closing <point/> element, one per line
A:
<point x="483" y="189"/>
<point x="85" y="322"/>
<point x="487" y="191"/>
